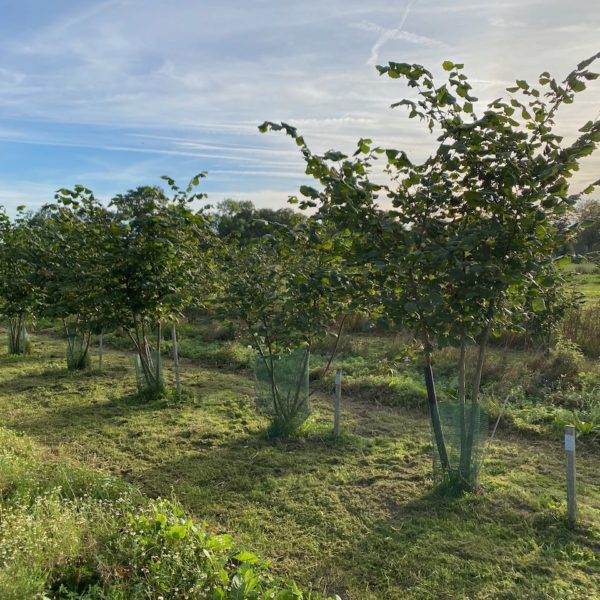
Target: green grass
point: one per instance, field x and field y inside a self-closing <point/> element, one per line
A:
<point x="589" y="285"/>
<point x="356" y="516"/>
<point x="72" y="532"/>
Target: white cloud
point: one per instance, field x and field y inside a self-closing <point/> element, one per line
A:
<point x="193" y="80"/>
<point x="509" y="23"/>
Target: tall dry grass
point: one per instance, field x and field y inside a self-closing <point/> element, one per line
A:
<point x="582" y="326"/>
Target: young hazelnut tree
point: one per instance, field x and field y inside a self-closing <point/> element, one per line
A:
<point x="161" y="264"/>
<point x="471" y="239"/>
<point x="20" y="292"/>
<point x="75" y="268"/>
<point x="285" y="289"/>
<point x="156" y="261"/>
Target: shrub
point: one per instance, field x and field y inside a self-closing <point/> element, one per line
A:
<point x="586" y="424"/>
<point x="403" y="348"/>
<point x="581" y="268"/>
<point x="357" y="322"/>
<point x="228" y="354"/>
<point x="327" y="344"/>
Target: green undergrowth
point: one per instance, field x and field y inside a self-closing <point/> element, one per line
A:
<point x="72" y="532"/>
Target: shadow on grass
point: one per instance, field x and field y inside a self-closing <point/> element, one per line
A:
<point x="476" y="547"/>
<point x="77" y="419"/>
<point x="47" y="378"/>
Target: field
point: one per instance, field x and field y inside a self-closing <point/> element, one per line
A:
<point x="589" y="285"/>
<point x="355" y="516"/>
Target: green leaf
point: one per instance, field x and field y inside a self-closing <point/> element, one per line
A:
<point x="577" y="85"/>
<point x="411" y="307"/>
<point x="247" y="557"/>
<point x="177" y="532"/>
<point x="160" y="520"/>
<point x="538" y="305"/>
<point x="309" y="192"/>
<point x="448" y="65"/>
<point x="334" y="155"/>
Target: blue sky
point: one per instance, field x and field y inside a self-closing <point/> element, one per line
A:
<point x="112" y="94"/>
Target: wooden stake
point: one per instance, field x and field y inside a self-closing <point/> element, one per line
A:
<point x="571" y="474"/>
<point x="176" y="360"/>
<point x="337" y="402"/>
<point x="100" y="351"/>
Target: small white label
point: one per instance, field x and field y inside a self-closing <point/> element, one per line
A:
<point x="338" y="378"/>
<point x="569" y="442"/>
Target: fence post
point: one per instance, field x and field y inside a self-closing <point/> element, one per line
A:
<point x="571" y="474"/>
<point x="100" y="351"/>
<point x="336" y="403"/>
<point x="176" y="359"/>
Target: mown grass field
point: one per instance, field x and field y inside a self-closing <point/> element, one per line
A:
<point x="355" y="516"/>
<point x="589" y="285"/>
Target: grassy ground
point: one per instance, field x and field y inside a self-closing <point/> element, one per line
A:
<point x="589" y="285"/>
<point x="355" y="516"/>
<point x="68" y="531"/>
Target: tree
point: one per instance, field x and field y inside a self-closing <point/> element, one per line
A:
<point x="75" y="268"/>
<point x="242" y="220"/>
<point x="20" y="292"/>
<point x="587" y="240"/>
<point x="471" y="238"/>
<point x="155" y="259"/>
<point x="160" y="259"/>
<point x="285" y="289"/>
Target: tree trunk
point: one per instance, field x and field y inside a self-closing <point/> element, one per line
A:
<point x="158" y="357"/>
<point x="16" y="332"/>
<point x="100" y="351"/>
<point x="176" y="360"/>
<point x="462" y="407"/>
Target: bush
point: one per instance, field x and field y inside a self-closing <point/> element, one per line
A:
<point x="228" y="354"/>
<point x="326" y="345"/>
<point x="209" y="330"/>
<point x="585" y="423"/>
<point x="581" y="268"/>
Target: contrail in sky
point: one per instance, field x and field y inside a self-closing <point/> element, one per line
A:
<point x="388" y="34"/>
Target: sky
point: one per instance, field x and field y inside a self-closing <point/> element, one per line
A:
<point x="113" y="94"/>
